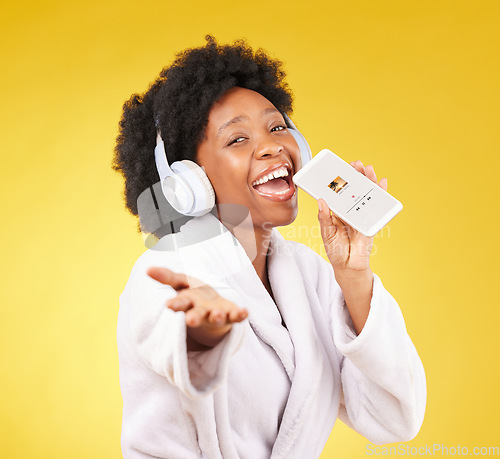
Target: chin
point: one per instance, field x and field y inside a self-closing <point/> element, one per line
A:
<point x="288" y="221"/>
<point x="282" y="217"/>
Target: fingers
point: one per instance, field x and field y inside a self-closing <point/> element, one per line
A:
<point x="178" y="281"/>
<point x="216" y="317"/>
<point x="196" y="316"/>
<point x="327" y="224"/>
<point x="326" y="217"/>
<point x="197" y="313"/>
<point x="221" y="316"/>
<point x="323" y="211"/>
<point x="358" y="165"/>
<point x="237" y="315"/>
<point x="166" y="276"/>
<point x="333" y="230"/>
<point x="204" y="307"/>
<point x="180" y="303"/>
<point x="369" y="172"/>
<point x="383" y="183"/>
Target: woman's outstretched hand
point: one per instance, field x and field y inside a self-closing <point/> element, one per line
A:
<point x="345" y="247"/>
<point x="209" y="316"/>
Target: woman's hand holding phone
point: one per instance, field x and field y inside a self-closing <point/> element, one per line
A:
<point x="345" y="247"/>
<point x="349" y="254"/>
<point x="209" y="316"/>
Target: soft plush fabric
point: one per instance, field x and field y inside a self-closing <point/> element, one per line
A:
<point x="265" y="390"/>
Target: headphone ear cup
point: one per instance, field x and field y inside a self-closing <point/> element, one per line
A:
<point x="185" y="185"/>
<point x="178" y="193"/>
<point x="202" y="191"/>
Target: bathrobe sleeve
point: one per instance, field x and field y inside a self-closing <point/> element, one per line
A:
<point x="383" y="380"/>
<point x="159" y="334"/>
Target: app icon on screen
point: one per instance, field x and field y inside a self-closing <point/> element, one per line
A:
<point x="337" y="184"/>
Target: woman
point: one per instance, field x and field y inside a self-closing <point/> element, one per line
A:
<point x="243" y="344"/>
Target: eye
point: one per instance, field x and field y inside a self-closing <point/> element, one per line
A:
<point x="236" y="140"/>
<point x="280" y="127"/>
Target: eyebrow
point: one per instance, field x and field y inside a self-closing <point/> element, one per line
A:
<point x="237" y="119"/>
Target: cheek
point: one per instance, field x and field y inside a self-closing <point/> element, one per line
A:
<point x="230" y="182"/>
<point x="294" y="150"/>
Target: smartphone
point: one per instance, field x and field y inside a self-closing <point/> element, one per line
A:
<point x="350" y="195"/>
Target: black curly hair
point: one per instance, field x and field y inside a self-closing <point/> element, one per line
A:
<point x="179" y="101"/>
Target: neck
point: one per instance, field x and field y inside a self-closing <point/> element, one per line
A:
<point x="262" y="239"/>
<point x="255" y="240"/>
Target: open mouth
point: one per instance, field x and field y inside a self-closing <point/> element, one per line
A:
<point x="277" y="185"/>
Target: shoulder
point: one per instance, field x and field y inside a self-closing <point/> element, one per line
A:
<point x="202" y="249"/>
<point x="179" y="251"/>
<point x="138" y="282"/>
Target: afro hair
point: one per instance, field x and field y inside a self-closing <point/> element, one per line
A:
<point x="178" y="103"/>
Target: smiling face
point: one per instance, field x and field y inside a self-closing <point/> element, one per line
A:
<point x="250" y="157"/>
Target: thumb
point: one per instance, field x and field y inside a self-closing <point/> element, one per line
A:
<point x="329" y="223"/>
<point x="327" y="216"/>
<point x="177" y="280"/>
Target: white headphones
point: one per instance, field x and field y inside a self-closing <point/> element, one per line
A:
<point x="185" y="184"/>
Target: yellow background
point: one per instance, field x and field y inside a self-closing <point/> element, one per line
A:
<point x="411" y="87"/>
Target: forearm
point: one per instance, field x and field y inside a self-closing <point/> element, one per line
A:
<point x="356" y="288"/>
<point x="383" y="378"/>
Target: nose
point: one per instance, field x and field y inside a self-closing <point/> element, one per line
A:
<point x="268" y="146"/>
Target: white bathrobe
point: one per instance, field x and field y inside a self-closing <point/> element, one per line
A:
<point x="265" y="390"/>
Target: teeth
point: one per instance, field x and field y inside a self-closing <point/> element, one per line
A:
<point x="281" y="172"/>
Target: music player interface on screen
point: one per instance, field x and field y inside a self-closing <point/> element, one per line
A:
<point x="341" y="187"/>
<point x="349" y="194"/>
